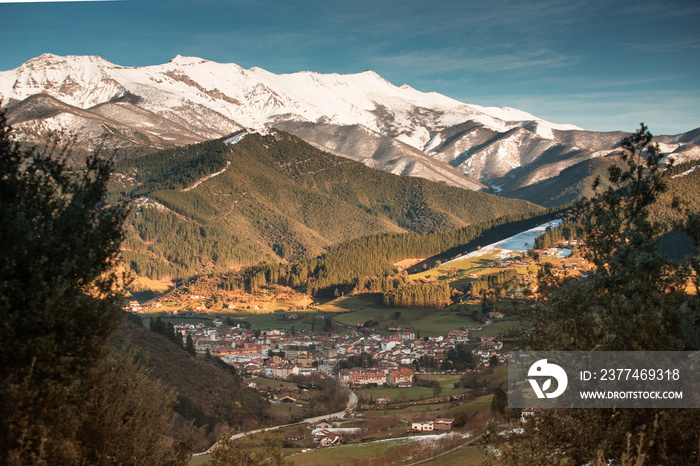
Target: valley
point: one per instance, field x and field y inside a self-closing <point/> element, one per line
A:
<point x="278" y="339"/>
<point x="435" y="287"/>
<point x="332" y="257"/>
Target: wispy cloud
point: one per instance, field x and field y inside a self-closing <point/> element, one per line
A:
<point x="662" y="9"/>
<point x="426" y="62"/>
<point x="604" y="83"/>
<point x="659" y="45"/>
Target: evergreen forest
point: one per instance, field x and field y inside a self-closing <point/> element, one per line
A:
<point x="275" y="199"/>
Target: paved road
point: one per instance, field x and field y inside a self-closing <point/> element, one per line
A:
<point x="352" y="404"/>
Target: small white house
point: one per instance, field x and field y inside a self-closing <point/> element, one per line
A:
<point x="529" y="413"/>
<point x="427" y="426"/>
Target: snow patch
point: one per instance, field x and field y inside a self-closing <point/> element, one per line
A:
<point x="433" y="143"/>
<point x="543" y="131"/>
<point x="236" y="138"/>
<point x="416" y="138"/>
<point x="685" y="173"/>
<point x="517" y="243"/>
<point x="208" y="177"/>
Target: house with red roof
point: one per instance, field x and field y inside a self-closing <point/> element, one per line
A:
<point x="402" y="377"/>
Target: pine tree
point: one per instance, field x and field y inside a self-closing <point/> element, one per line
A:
<point x="499" y="403"/>
<point x="189" y="346"/>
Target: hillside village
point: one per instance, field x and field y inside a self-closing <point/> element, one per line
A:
<point x="388" y="358"/>
<point x="280" y="341"/>
<point x="277" y="354"/>
<point x="388" y="362"/>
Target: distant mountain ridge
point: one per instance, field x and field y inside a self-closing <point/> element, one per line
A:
<point x="360" y="116"/>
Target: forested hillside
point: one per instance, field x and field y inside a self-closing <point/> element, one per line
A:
<point x="683" y="182"/>
<point x="208" y="396"/>
<point x="570" y="185"/>
<point x="275" y="197"/>
<point x="367" y="263"/>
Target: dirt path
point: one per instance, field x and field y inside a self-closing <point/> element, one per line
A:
<point x="228" y="163"/>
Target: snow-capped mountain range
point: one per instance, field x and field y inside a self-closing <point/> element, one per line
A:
<point x="361" y="116"/>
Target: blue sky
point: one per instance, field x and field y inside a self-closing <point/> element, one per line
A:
<point x="602" y="65"/>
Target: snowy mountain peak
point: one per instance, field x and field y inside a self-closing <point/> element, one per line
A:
<point x="252" y="98"/>
<point x="49" y="60"/>
<point x="374" y="75"/>
<point x="187" y="61"/>
<point x="44" y="57"/>
<point x="362" y="116"/>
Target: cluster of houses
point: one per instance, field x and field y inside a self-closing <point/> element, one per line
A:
<point x="327" y="433"/>
<point x="281" y="354"/>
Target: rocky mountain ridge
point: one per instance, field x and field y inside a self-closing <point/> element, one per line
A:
<point x="360" y="116"/>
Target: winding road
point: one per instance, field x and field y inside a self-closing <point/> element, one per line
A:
<point x="350" y="407"/>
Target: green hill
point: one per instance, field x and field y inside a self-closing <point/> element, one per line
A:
<point x="683" y="183"/>
<point x="275" y="198"/>
<point x="208" y="396"/>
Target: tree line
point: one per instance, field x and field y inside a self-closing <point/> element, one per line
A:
<point x="367" y="262"/>
<point x="167" y="329"/>
<point x="419" y="295"/>
<point x="491" y="280"/>
<point x="552" y="236"/>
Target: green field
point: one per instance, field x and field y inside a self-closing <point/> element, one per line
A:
<point x="353" y="303"/>
<point x="464" y="266"/>
<point x="495" y="328"/>
<point x="276" y="320"/>
<point x="438" y="408"/>
<point x="426" y="322"/>
<point x="412" y="393"/>
<point x="345" y="454"/>
<point x="199" y="460"/>
<point x="395" y="394"/>
<point x="292" y="412"/>
<point x="274" y="383"/>
<point x="465" y="456"/>
<point x="477" y="404"/>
